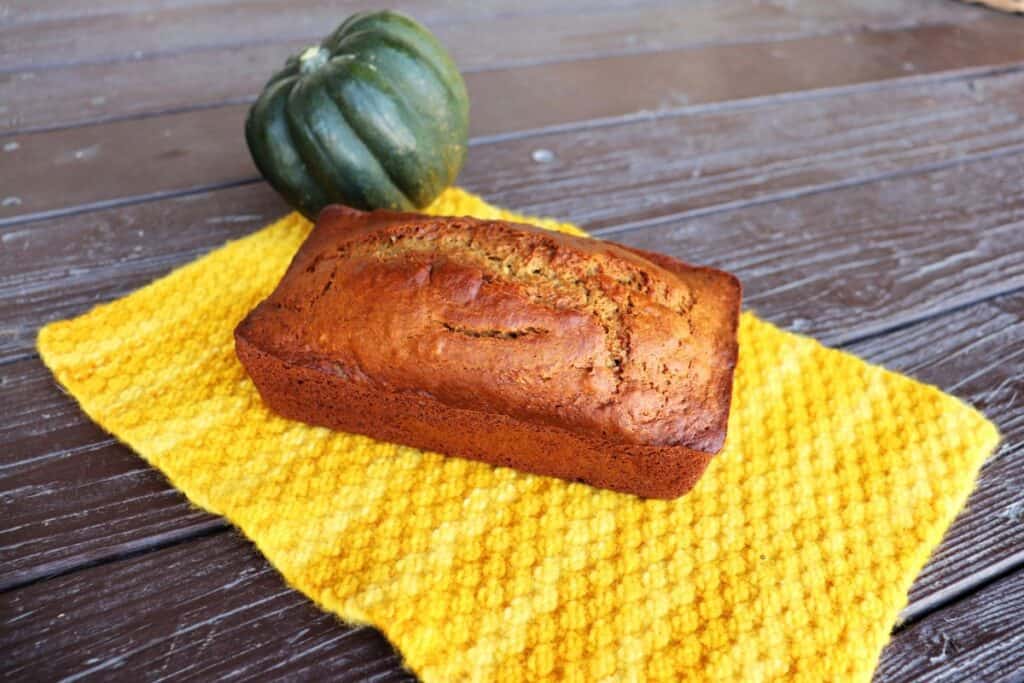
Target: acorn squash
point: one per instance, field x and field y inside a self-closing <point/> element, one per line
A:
<point x="375" y="116"/>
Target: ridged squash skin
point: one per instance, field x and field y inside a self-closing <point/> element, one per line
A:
<point x="375" y="116"/>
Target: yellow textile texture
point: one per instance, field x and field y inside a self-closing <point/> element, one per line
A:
<point x="790" y="560"/>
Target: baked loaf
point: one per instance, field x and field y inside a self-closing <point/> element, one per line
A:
<point x="502" y="342"/>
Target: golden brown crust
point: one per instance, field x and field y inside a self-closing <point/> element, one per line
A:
<point x="567" y="343"/>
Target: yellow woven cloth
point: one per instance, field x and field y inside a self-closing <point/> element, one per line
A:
<point x="790" y="559"/>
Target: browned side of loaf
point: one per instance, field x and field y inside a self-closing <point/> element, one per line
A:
<point x="311" y="396"/>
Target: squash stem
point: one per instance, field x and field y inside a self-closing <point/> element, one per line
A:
<point x="312" y="58"/>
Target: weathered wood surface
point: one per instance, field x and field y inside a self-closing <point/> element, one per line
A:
<point x="859" y="167"/>
<point x="978" y="638"/>
<point x="563" y="30"/>
<point x="70" y="494"/>
<point x="202" y="149"/>
<point x="218" y="582"/>
<point x="524" y="97"/>
<point x="211" y="609"/>
<point x="882" y="254"/>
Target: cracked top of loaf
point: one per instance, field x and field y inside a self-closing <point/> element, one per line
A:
<point x="501" y="317"/>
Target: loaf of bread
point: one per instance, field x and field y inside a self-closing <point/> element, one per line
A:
<point x="557" y="355"/>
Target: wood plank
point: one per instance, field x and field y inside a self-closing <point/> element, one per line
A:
<point x="944" y="350"/>
<point x="566" y="33"/>
<point x="612" y="178"/>
<point x="506" y="99"/>
<point x="58" y="469"/>
<point x="718" y="159"/>
<point x="207" y="610"/>
<point x="976" y="639"/>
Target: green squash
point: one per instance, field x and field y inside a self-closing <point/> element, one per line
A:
<point x="375" y="116"/>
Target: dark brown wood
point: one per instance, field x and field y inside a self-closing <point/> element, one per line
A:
<point x="976" y="639"/>
<point x="881" y="131"/>
<point x="526" y="97"/>
<point x="529" y="32"/>
<point x="207" y="610"/>
<point x="70" y="37"/>
<point x="610" y="178"/>
<point x="993" y="330"/>
<point x="55" y="268"/>
<point x="70" y="494"/>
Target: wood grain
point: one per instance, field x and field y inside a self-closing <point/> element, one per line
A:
<point x="976" y="639"/>
<point x="618" y="177"/>
<point x="29" y="11"/>
<point x="528" y="33"/>
<point x="207" y="610"/>
<point x="64" y="480"/>
<point x="507" y="99"/>
<point x="101" y="255"/>
<point x="43" y="40"/>
<point x="943" y="350"/>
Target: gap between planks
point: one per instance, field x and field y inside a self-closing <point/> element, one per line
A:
<point x="959" y="591"/>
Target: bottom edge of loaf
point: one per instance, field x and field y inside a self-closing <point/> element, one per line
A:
<point x="317" y="397"/>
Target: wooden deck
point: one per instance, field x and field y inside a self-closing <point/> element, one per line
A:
<point x="859" y="164"/>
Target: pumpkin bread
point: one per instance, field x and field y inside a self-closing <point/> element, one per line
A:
<point x="553" y="354"/>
